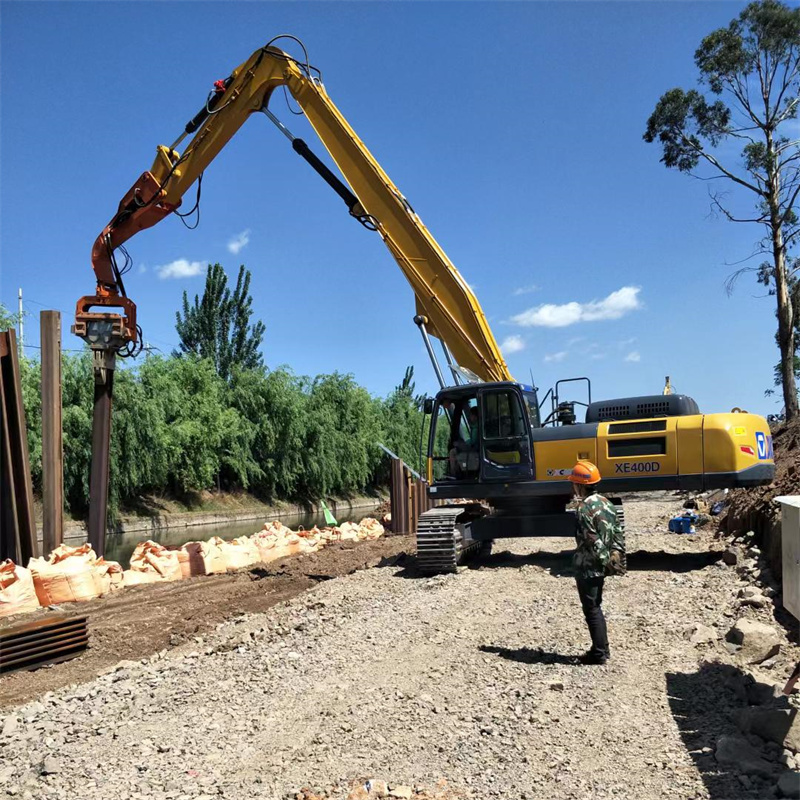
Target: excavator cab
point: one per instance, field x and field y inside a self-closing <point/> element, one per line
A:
<point x="481" y="433"/>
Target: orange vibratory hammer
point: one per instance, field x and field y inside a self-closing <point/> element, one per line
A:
<point x="140" y="208"/>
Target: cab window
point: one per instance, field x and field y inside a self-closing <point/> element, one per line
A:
<point x="502" y="416"/>
<point x="533" y="408"/>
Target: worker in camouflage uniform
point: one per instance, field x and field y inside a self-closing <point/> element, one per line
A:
<point x="600" y="552"/>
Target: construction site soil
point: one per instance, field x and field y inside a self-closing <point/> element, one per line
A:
<point x="751" y="509"/>
<point x="382" y="681"/>
<point x="142" y="620"/>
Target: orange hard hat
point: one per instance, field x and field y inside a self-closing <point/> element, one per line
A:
<point x="585" y="472"/>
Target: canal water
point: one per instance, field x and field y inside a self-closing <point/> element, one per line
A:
<point x="120" y="546"/>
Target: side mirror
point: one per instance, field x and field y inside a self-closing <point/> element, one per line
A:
<point x="427" y="406"/>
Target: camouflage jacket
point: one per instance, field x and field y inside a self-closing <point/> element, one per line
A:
<point x="598" y="534"/>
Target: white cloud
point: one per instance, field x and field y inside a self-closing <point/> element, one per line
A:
<point x="560" y="356"/>
<point x="626" y="343"/>
<point x="181" y="268"/>
<point x="512" y="344"/>
<point x="633" y="356"/>
<point x="142" y="269"/>
<point x="550" y="315"/>
<point x="239" y="242"/>
<point x="526" y="289"/>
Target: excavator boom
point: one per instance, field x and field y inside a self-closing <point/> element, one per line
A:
<point x="444" y="300"/>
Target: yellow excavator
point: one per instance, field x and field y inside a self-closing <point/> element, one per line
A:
<point x="492" y="442"/>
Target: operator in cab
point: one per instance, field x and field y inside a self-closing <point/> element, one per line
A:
<point x="600" y="552"/>
<point x="464" y="453"/>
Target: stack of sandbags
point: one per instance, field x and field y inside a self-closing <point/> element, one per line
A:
<point x="277" y="541"/>
<point x="238" y="553"/>
<point x="17" y="592"/>
<point x="68" y="576"/>
<point x="183" y="561"/>
<point x="277" y="528"/>
<point x="272" y="546"/>
<point x="310" y="541"/>
<point x="152" y="562"/>
<point x="370" y="528"/>
<point x="110" y="574"/>
<point x="349" y="532"/>
<point x="328" y="535"/>
<point x="203" y="558"/>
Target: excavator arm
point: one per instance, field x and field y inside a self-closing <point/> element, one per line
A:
<point x="445" y="303"/>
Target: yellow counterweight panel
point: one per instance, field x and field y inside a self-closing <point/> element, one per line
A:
<point x="555" y="459"/>
<point x="736" y="441"/>
<point x="690" y="445"/>
<point x="637" y="453"/>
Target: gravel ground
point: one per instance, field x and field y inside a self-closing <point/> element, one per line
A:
<point x="467" y="678"/>
<point x="142" y="620"/>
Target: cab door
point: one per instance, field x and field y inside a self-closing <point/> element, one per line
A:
<point x="505" y="444"/>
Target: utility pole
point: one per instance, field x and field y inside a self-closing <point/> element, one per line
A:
<point x="21" y="325"/>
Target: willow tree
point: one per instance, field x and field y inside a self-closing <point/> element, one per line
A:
<point x="749" y="94"/>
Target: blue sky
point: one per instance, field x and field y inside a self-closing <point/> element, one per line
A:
<point x="514" y="129"/>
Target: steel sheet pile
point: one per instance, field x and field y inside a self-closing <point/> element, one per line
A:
<point x="74" y="574"/>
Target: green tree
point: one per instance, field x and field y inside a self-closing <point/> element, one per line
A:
<point x="275" y="404"/>
<point x="341" y="434"/>
<point x="7" y="318"/>
<point x="217" y="325"/>
<point x="77" y="398"/>
<point x="179" y="428"/>
<point x="750" y="72"/>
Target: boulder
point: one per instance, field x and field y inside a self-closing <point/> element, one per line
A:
<point x="789" y="784"/>
<point x="10" y="725"/>
<point x="760" y="693"/>
<point x="730" y="556"/>
<point x="756" y="640"/>
<point x="736" y="751"/>
<point x="50" y="766"/>
<point x="756" y="601"/>
<point x="779" y="725"/>
<point x="377" y="788"/>
<point x="701" y="634"/>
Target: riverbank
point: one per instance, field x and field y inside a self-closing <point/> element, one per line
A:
<point x="158" y="516"/>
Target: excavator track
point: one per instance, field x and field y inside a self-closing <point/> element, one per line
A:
<point x="441" y="545"/>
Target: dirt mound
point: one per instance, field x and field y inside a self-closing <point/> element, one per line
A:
<point x="749" y="507"/>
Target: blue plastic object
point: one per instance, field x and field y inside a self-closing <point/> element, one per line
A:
<point x="683" y="523"/>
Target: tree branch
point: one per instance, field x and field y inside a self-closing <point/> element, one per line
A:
<point x="789" y="237"/>
<point x="758" y="252"/>
<point x="742" y="95"/>
<point x="713" y="161"/>
<point x="732" y="280"/>
<point x="789" y="74"/>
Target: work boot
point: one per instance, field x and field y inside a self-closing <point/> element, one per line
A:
<point x="592" y="658"/>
